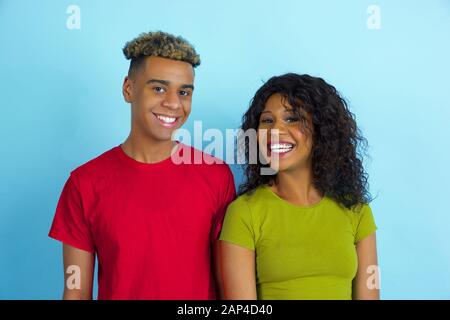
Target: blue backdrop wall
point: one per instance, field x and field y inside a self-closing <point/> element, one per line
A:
<point x="62" y="67"/>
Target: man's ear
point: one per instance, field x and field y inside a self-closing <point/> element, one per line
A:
<point x="127" y="89"/>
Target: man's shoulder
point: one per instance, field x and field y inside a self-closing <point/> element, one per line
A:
<point x="96" y="166"/>
<point x="208" y="162"/>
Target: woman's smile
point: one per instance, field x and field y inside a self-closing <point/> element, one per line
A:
<point x="281" y="149"/>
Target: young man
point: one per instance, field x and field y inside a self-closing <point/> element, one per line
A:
<point x="152" y="222"/>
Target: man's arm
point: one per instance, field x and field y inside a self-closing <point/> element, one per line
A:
<point x="78" y="273"/>
<point x="366" y="282"/>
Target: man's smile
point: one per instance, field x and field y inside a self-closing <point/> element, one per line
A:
<point x="167" y="121"/>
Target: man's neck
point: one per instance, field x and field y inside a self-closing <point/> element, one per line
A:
<point x="146" y="150"/>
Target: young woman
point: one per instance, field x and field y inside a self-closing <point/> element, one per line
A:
<point x="307" y="231"/>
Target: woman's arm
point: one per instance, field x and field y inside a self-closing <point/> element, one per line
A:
<point x="366" y="282"/>
<point x="80" y="265"/>
<point x="236" y="272"/>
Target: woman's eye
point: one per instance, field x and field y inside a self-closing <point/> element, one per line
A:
<point x="266" y="120"/>
<point x="159" y="89"/>
<point x="292" y="119"/>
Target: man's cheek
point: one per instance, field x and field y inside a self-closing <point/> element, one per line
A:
<point x="187" y="112"/>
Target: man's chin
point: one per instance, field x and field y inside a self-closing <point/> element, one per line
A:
<point x="157" y="137"/>
<point x="163" y="139"/>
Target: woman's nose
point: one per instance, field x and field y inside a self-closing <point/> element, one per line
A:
<point x="280" y="126"/>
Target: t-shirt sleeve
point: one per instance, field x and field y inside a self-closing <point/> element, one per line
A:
<point x="69" y="223"/>
<point x="365" y="224"/>
<point x="238" y="225"/>
<point x="227" y="194"/>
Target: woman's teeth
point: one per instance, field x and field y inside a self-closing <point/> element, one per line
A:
<point x="165" y="119"/>
<point x="281" y="147"/>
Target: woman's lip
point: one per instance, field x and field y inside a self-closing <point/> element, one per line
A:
<point x="279" y="154"/>
<point x="282" y="142"/>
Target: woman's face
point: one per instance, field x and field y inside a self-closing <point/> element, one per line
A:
<point x="294" y="145"/>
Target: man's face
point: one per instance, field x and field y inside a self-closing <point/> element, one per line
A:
<point x="160" y="93"/>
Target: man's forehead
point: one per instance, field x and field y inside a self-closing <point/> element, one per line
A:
<point x="171" y="71"/>
<point x="158" y="63"/>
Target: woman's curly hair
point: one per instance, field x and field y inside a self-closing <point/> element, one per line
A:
<point x="337" y="144"/>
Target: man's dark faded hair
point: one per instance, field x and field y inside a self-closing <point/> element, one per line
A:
<point x="159" y="44"/>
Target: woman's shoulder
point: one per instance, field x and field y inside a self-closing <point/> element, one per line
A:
<point x="248" y="202"/>
<point x="360" y="210"/>
<point x="356" y="213"/>
<point x="253" y="197"/>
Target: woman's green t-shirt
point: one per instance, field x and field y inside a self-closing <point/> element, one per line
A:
<point x="301" y="252"/>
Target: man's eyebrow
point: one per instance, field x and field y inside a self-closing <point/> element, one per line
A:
<point x="187" y="86"/>
<point x="164" y="82"/>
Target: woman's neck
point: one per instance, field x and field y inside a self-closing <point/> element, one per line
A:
<point x="297" y="187"/>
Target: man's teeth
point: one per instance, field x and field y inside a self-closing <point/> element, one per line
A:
<point x="281" y="147"/>
<point x="166" y="119"/>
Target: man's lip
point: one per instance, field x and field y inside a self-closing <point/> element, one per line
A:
<point x="164" y="124"/>
<point x="165" y="115"/>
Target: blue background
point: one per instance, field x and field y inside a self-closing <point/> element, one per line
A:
<point x="61" y="105"/>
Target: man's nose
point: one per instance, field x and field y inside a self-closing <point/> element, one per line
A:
<point x="172" y="101"/>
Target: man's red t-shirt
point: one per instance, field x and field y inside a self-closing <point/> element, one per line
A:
<point x="151" y="225"/>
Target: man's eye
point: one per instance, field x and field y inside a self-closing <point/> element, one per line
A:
<point x="184" y="93"/>
<point x="159" y="89"/>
